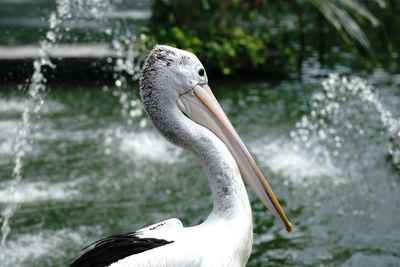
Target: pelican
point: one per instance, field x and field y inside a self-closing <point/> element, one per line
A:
<point x="176" y="96"/>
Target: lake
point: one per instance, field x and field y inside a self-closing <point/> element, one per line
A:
<point x="91" y="171"/>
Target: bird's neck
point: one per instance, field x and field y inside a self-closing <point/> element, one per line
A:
<point x="228" y="191"/>
<point x="230" y="199"/>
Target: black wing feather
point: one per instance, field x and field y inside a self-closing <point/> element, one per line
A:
<point x="114" y="248"/>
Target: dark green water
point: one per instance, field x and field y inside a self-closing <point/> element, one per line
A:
<point x="27" y="21"/>
<point x="89" y="174"/>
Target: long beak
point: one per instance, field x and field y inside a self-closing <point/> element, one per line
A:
<point x="201" y="106"/>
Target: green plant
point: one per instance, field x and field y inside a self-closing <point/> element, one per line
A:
<point x="344" y="15"/>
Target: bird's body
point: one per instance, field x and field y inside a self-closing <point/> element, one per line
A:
<point x="179" y="102"/>
<point x="213" y="243"/>
<point x="225" y="237"/>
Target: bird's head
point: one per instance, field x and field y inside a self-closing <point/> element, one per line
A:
<point x="171" y="72"/>
<point x="173" y="79"/>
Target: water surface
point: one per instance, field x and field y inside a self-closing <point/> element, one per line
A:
<point x="89" y="174"/>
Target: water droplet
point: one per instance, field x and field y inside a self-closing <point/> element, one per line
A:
<point x="143" y="123"/>
<point x="51" y="36"/>
<point x="108" y="31"/>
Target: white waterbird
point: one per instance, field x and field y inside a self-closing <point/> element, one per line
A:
<point x="176" y="96"/>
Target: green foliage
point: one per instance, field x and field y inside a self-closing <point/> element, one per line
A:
<point x="264" y="36"/>
<point x="344" y="16"/>
<point x="227" y="53"/>
<point x="223" y="41"/>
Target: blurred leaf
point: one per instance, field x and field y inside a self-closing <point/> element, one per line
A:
<point x="337" y="13"/>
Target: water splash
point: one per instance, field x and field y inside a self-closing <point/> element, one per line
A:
<point x="394" y="148"/>
<point x="131" y="51"/>
<point x="141" y="146"/>
<point x="345" y="113"/>
<point x="30" y="248"/>
<point x="66" y="10"/>
<point x="33" y="104"/>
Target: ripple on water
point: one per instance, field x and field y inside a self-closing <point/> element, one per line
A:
<point x="27" y="192"/>
<point x="298" y="166"/>
<point x="7" y="135"/>
<point x="146" y="145"/>
<point x="361" y="259"/>
<point x="14" y="106"/>
<point x="26" y="249"/>
<point x="9" y="108"/>
<point x="8" y="127"/>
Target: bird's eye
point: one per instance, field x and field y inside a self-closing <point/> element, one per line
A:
<point x="201" y="72"/>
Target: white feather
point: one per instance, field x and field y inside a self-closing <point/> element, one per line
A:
<point x="225" y="238"/>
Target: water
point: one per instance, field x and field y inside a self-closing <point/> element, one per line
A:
<point x="93" y="166"/>
<point x="36" y="90"/>
<point x="131" y="51"/>
<point x="66" y="11"/>
<point x="91" y="174"/>
<point x="33" y="14"/>
<point x="338" y="114"/>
